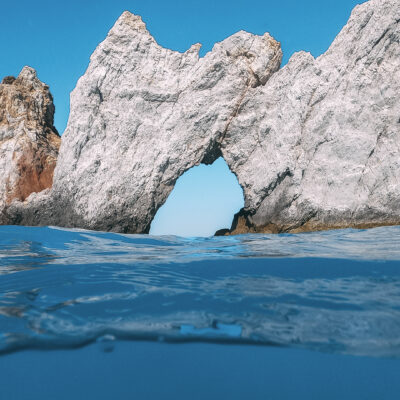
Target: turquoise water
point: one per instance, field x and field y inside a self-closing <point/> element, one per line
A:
<point x="105" y="315"/>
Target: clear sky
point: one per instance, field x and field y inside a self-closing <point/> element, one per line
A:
<point x="56" y="38"/>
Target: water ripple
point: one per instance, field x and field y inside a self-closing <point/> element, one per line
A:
<point x="333" y="291"/>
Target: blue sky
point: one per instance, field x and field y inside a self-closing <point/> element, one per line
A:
<point x="57" y="38"/>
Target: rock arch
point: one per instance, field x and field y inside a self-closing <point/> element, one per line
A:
<point x="142" y="115"/>
<point x="314" y="145"/>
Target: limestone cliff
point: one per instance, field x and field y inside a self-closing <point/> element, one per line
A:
<point x="314" y="145"/>
<point x="326" y="134"/>
<point x="28" y="140"/>
<point x="140" y="117"/>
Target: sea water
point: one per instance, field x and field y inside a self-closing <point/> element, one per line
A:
<point x="91" y="315"/>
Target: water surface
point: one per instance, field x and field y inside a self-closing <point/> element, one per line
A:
<point x="328" y="302"/>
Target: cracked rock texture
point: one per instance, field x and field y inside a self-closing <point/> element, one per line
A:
<point x="28" y="140"/>
<point x="314" y="145"/>
<point x="325" y="134"/>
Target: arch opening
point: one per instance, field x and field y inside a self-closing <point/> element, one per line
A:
<point x="204" y="200"/>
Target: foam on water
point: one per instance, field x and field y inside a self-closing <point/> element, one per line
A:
<point x="335" y="291"/>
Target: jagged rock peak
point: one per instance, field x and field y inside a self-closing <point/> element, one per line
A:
<point x="127" y="25"/>
<point x="26" y="100"/>
<point x="29" y="142"/>
<point x="134" y="21"/>
<point x="28" y="77"/>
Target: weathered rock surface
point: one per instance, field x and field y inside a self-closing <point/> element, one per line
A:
<point x="140" y="117"/>
<point x="28" y="140"/>
<point x="314" y="145"/>
<point x="326" y="133"/>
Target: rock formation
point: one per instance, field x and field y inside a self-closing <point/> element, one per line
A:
<point x="314" y="145"/>
<point x="28" y="140"/>
<point x="326" y="134"/>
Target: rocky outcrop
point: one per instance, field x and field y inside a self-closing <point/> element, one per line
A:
<point x="326" y="134"/>
<point x="140" y="117"/>
<point x="314" y="145"/>
<point x="28" y="140"/>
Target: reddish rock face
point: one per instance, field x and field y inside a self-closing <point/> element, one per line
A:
<point x="29" y="142"/>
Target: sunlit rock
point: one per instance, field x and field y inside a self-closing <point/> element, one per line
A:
<point x="314" y="145"/>
<point x="318" y="146"/>
<point x="140" y="117"/>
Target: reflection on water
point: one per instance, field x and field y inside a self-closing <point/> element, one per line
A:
<point x="333" y="291"/>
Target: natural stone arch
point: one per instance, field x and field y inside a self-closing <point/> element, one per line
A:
<point x="142" y="115"/>
<point x="314" y="145"/>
